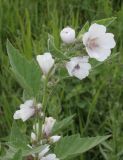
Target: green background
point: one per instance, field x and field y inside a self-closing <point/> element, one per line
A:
<point x="26" y="23"/>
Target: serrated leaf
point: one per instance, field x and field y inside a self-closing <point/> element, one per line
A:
<point x="83" y="30"/>
<point x="61" y="125"/>
<point x="27" y="73"/>
<point x="106" y="22"/>
<point x="72" y="146"/>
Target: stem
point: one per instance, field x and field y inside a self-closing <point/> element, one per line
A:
<point x="36" y="120"/>
<point x="40" y="128"/>
<point x="44" y="109"/>
<point x="44" y="94"/>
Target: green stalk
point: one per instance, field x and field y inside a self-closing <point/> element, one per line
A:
<point x="44" y="94"/>
<point x="44" y="107"/>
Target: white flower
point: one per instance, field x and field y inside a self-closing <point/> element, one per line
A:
<point x="33" y="137"/>
<point x="98" y="43"/>
<point x="68" y="35"/>
<point x="78" y="67"/>
<point x="55" y="138"/>
<point x="48" y="125"/>
<point x="45" y="62"/>
<point x="50" y="157"/>
<point x="26" y="111"/>
<point x="43" y="152"/>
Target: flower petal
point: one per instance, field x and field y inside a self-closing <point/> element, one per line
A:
<point x="97" y="30"/>
<point x="29" y="102"/>
<point x="83" y="72"/>
<point x="99" y="53"/>
<point x="55" y="138"/>
<point x="44" y="151"/>
<point x="76" y="60"/>
<point x="50" y="157"/>
<point x="26" y="113"/>
<point x="69" y="66"/>
<point x="85" y="38"/>
<point x="107" y="41"/>
<point x="17" y="115"/>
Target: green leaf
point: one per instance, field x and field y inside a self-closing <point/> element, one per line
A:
<point x="25" y="151"/>
<point x="71" y="146"/>
<point x="18" y="155"/>
<point x="18" y="141"/>
<point x="106" y="22"/>
<point x="54" y="49"/>
<point x="61" y="125"/>
<point x="27" y="73"/>
<point x="83" y="30"/>
<point x="17" y="138"/>
<point x="34" y="150"/>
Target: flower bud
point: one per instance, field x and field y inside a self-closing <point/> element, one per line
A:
<point x="33" y="137"/>
<point x="50" y="157"/>
<point x="44" y="151"/>
<point x="48" y="125"/>
<point x="45" y="62"/>
<point x="55" y="138"/>
<point x="67" y="35"/>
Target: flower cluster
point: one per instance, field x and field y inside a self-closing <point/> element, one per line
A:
<point x="27" y="110"/>
<point x="98" y="45"/>
<point x="46" y="137"/>
<point x="46" y="131"/>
